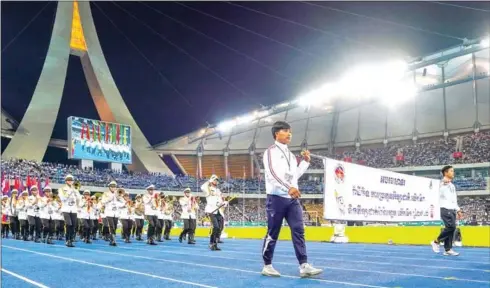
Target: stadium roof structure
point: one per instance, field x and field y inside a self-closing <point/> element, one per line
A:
<point x="447" y="91"/>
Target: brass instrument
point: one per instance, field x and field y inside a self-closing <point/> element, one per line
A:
<point x="139" y="208"/>
<point x="120" y="193"/>
<point x="170" y="199"/>
<point x="77" y="185"/>
<point x="129" y="203"/>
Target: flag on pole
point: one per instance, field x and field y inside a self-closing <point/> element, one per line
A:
<point x="5" y="184"/>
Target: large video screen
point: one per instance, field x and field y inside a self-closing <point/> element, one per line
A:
<point x="96" y="140"/>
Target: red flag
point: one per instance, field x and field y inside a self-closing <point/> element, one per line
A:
<point x="28" y="182"/>
<point x="5" y="184"/>
<point x="17" y="184"/>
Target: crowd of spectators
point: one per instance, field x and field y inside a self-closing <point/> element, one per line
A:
<point x="475" y="148"/>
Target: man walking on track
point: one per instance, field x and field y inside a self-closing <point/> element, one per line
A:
<point x="448" y="200"/>
<point x="281" y="175"/>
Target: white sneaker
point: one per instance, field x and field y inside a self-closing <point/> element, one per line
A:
<point x="268" y="270"/>
<point x="435" y="247"/>
<point x="306" y="270"/>
<point x="451" y="253"/>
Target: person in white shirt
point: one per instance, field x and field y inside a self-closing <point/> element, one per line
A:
<point x="281" y="183"/>
<point x="160" y="223"/>
<point x="168" y="210"/>
<point x="46" y="214"/>
<point x="14" y="220"/>
<point x="70" y="199"/>
<point x="94" y="216"/>
<point x="21" y="207"/>
<point x="139" y="216"/>
<point x="33" y="213"/>
<point x="125" y="217"/>
<point x="112" y="202"/>
<point x="188" y="203"/>
<point x="450" y="211"/>
<point x="151" y="211"/>
<point x="86" y="215"/>
<point x="214" y="202"/>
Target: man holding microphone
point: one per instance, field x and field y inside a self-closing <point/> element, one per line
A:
<point x="448" y="200"/>
<point x="281" y="175"/>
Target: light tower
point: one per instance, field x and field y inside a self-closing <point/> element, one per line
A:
<point x="74" y="33"/>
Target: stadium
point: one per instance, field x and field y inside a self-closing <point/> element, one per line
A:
<point x="408" y="118"/>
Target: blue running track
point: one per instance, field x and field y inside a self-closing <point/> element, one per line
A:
<point x="172" y="264"/>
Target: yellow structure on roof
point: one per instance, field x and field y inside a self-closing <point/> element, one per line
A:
<point x="77" y="41"/>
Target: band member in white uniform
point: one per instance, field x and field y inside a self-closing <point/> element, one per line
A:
<point x="33" y="209"/>
<point x="86" y="215"/>
<point x="59" y="221"/>
<point x="125" y="218"/>
<point x="214" y="202"/>
<point x="168" y="210"/>
<point x="112" y="203"/>
<point x="14" y="219"/>
<point x="47" y="218"/>
<point x="70" y="198"/>
<point x="139" y="216"/>
<point x="188" y="215"/>
<point x="160" y="213"/>
<point x="104" y="232"/>
<point x="21" y="207"/>
<point x="94" y="216"/>
<point x="151" y="210"/>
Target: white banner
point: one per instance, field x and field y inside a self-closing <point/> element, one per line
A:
<point x="358" y="193"/>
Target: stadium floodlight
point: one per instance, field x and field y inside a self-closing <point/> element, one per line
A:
<point x="226" y="126"/>
<point x="318" y="96"/>
<point x="485" y="42"/>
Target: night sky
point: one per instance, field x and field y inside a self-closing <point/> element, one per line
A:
<point x="275" y="61"/>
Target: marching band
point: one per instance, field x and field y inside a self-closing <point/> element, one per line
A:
<point x="71" y="213"/>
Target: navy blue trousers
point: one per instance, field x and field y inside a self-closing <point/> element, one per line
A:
<point x="279" y="208"/>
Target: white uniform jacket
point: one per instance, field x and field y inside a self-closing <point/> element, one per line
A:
<point x="86" y="211"/>
<point x="125" y="212"/>
<point x="168" y="210"/>
<point x="282" y="170"/>
<point x="48" y="208"/>
<point x="34" y="205"/>
<point x="12" y="207"/>
<point x="150" y="208"/>
<point x="187" y="211"/>
<point x="213" y="198"/>
<point x="22" y="209"/>
<point x="70" y="199"/>
<point x="112" y="204"/>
